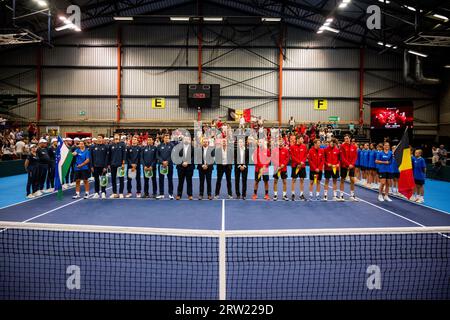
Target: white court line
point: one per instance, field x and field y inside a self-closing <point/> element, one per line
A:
<point x="27" y="200"/>
<point x="60" y="207"/>
<point x="384" y="209"/>
<point x="405" y="200"/>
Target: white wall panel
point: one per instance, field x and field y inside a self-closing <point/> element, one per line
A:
<point x="82" y="56"/>
<point x="69" y="109"/>
<point x="321" y="83"/>
<point x="76" y="81"/>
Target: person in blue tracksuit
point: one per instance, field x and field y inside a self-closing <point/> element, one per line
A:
<point x="32" y="169"/>
<point x="365" y="161"/>
<point x="358" y="164"/>
<point x="117" y="157"/>
<point x="149" y="161"/>
<point x="419" y="171"/>
<point x="395" y="173"/>
<point x="384" y="161"/>
<point x="134" y="164"/>
<point x="99" y="165"/>
<point x="372" y="165"/>
<point x="164" y="156"/>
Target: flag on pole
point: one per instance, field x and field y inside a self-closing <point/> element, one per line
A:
<point x="402" y="156"/>
<point x="63" y="159"/>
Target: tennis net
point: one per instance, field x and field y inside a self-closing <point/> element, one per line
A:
<point x="47" y="261"/>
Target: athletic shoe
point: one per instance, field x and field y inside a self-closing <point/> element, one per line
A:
<point x="86" y="195"/>
<point x="341" y="198"/>
<point x="216" y="197"/>
<point x="161" y="196"/>
<point x="293" y="197"/>
<point x="145" y="195"/>
<point x="65" y="186"/>
<point x="302" y="198"/>
<point x="243" y="198"/>
<point x="37" y="193"/>
<point x="76" y="196"/>
<point x="335" y="198"/>
<point x="386" y="198"/>
<point x="200" y="197"/>
<point x="353" y="198"/>
<point x="266" y="197"/>
<point x="30" y="196"/>
<point x="325" y="198"/>
<point x="170" y="197"/>
<point x="112" y="196"/>
<point x="380" y="198"/>
<point x="254" y="197"/>
<point x="103" y="195"/>
<point x="128" y="195"/>
<point x="138" y="195"/>
<point x="285" y="198"/>
<point x="414" y="198"/>
<point x="420" y="200"/>
<point x="72" y="184"/>
<point x="275" y="198"/>
<point x="46" y="191"/>
<point x="230" y="197"/>
<point x="121" y="196"/>
<point x="96" y="196"/>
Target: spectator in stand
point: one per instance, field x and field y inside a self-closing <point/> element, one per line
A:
<point x="442" y="155"/>
<point x="19" y="148"/>
<point x="32" y="130"/>
<point x="291" y="124"/>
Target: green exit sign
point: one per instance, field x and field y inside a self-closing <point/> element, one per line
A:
<point x="82" y="113"/>
<point x="333" y="118"/>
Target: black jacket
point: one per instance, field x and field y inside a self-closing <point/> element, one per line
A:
<point x="134" y="155"/>
<point x="164" y="153"/>
<point x="148" y="156"/>
<point x="44" y="157"/>
<point x="99" y="155"/>
<point x="117" y="154"/>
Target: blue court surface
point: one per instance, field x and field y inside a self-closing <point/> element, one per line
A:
<point x="270" y="249"/>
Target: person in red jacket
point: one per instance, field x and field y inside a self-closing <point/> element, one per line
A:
<point x="349" y="154"/>
<point x="261" y="159"/>
<point x="299" y="153"/>
<point x="332" y="164"/>
<point x="316" y="162"/>
<point x="280" y="160"/>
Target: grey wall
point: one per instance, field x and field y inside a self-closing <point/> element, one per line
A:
<point x="79" y="74"/>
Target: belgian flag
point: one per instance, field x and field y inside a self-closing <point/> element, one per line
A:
<point x="402" y="156"/>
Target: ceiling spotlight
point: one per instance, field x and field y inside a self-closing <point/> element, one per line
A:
<point x="418" y="53"/>
<point x="438" y="16"/>
<point x="270" y="19"/>
<point x="123" y="18"/>
<point x="212" y="19"/>
<point x="179" y="18"/>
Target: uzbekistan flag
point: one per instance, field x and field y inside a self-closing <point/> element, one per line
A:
<point x="402" y="156"/>
<point x="63" y="159"/>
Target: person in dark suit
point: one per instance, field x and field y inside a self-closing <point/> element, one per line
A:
<point x="163" y="155"/>
<point x="205" y="167"/>
<point x="241" y="168"/>
<point x="224" y="161"/>
<point x="185" y="169"/>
